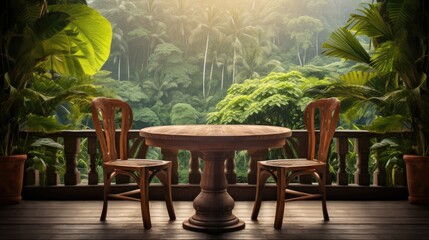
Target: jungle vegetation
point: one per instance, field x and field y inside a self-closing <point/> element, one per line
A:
<point x="190" y="52"/>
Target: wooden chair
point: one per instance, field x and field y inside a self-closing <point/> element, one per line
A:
<point x="285" y="170"/>
<point x="141" y="170"/>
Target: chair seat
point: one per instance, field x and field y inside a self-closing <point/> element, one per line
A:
<point x="293" y="164"/>
<point x="133" y="164"/>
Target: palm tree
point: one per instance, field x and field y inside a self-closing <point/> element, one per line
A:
<point x="238" y="32"/>
<point x="303" y="29"/>
<point x="124" y="15"/>
<point x="154" y="14"/>
<point x="399" y="63"/>
<point x="255" y="63"/>
<point x="209" y="24"/>
<point x="180" y="21"/>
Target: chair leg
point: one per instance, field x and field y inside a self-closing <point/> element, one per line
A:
<point x="106" y="191"/>
<point x="323" y="190"/>
<point x="164" y="177"/>
<point x="281" y="197"/>
<point x="144" y="198"/>
<point x="263" y="175"/>
<point x="321" y="179"/>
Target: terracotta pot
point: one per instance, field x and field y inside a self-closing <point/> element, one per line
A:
<point x="417" y="178"/>
<point x="11" y="178"/>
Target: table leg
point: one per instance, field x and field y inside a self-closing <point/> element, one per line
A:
<point x="213" y="206"/>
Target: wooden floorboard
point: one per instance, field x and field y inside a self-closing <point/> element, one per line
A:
<point x="303" y="220"/>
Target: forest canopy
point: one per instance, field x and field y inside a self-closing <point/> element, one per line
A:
<point x="192" y="51"/>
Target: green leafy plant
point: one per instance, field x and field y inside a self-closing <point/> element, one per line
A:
<point x="390" y="78"/>
<point x="388" y="152"/>
<point x="276" y="99"/>
<point x="40" y="40"/>
<point x="44" y="155"/>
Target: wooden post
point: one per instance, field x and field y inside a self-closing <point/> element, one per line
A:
<point x="171" y="155"/>
<point x="71" y="148"/>
<point x="342" y="148"/>
<point x="362" y="148"/>
<point x="194" y="168"/>
<point x="255" y="156"/>
<point x="231" y="175"/>
<point x="92" y="151"/>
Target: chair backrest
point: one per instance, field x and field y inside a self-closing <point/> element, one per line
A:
<point x="106" y="126"/>
<point x="329" y="111"/>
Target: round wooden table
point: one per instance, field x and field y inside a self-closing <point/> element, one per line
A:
<point x="215" y="143"/>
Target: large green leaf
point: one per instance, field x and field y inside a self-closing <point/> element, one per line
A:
<point x="393" y="123"/>
<point x="343" y="44"/>
<point x="84" y="45"/>
<point x="370" y="23"/>
<point x="357" y="77"/>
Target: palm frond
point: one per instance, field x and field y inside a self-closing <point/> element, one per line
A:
<point x="384" y="56"/>
<point x="343" y="44"/>
<point x="370" y="23"/>
<point x="357" y="77"/>
<point x="400" y="12"/>
<point x="393" y="123"/>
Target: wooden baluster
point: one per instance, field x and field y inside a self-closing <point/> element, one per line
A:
<point x="255" y="156"/>
<point x="379" y="175"/>
<point x="31" y="177"/>
<point x="231" y="175"/>
<point x="92" y="151"/>
<point x="71" y="148"/>
<point x="171" y="155"/>
<point x="52" y="175"/>
<point x="194" y="168"/>
<point x="342" y="148"/>
<point x="362" y="148"/>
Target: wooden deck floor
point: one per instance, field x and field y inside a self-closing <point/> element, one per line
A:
<point x="303" y="220"/>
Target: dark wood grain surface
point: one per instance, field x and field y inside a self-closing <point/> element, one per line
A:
<point x="302" y="220"/>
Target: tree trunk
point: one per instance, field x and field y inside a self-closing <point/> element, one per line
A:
<point x="204" y="67"/>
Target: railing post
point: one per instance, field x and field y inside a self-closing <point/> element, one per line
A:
<point x="52" y="175"/>
<point x="342" y="148"/>
<point x="362" y="148"/>
<point x="231" y="175"/>
<point x="379" y="175"/>
<point x="71" y="148"/>
<point x="194" y="176"/>
<point x="171" y="155"/>
<point x="255" y="156"/>
<point x="92" y="151"/>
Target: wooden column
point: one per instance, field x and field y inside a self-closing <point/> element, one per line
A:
<point x="255" y="156"/>
<point x="71" y="148"/>
<point x="171" y="155"/>
<point x="342" y="148"/>
<point x="194" y="168"/>
<point x="362" y="148"/>
<point x="92" y="151"/>
<point x="231" y="175"/>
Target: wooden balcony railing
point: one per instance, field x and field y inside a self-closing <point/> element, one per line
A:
<point x="342" y="187"/>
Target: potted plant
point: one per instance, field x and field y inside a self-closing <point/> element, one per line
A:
<point x="390" y="78"/>
<point x="40" y="40"/>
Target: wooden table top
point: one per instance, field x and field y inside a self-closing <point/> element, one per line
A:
<point x="216" y="137"/>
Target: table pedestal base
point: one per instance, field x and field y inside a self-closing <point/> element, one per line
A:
<point x="213" y="206"/>
<point x="213" y="226"/>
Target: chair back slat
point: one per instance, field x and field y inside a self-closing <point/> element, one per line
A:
<point x="329" y="109"/>
<point x="104" y="112"/>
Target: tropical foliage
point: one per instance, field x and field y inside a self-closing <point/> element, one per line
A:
<point x="40" y="43"/>
<point x="276" y="100"/>
<point x="191" y="52"/>
<point x="390" y="80"/>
